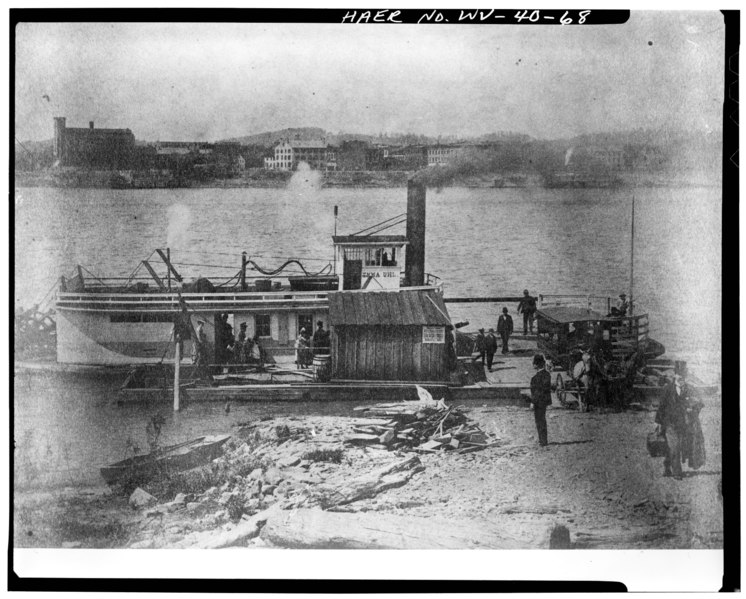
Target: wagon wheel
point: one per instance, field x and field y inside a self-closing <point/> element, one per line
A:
<point x="561" y="391"/>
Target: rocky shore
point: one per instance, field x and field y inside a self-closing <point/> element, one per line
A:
<point x="294" y="482"/>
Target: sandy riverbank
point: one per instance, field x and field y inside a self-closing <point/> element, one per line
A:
<point x="595" y="478"/>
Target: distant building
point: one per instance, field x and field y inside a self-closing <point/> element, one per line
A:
<point x="331" y="158"/>
<point x="353" y="156"/>
<point x="441" y="154"/>
<point x="288" y="155"/>
<point x="407" y="158"/>
<point x="90" y="147"/>
<point x="595" y="157"/>
<point x="611" y="157"/>
<point x="645" y="157"/>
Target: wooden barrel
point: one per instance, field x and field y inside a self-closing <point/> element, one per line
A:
<point x="322" y="367"/>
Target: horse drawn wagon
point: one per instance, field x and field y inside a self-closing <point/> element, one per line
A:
<point x="598" y="353"/>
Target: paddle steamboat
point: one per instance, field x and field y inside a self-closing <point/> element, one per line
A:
<point x="109" y="321"/>
<point x="388" y="322"/>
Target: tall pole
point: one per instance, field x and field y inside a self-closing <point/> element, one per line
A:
<point x="168" y="255"/>
<point x="243" y="271"/>
<point x="632" y="261"/>
<point x="177" y="365"/>
<point x="334" y="256"/>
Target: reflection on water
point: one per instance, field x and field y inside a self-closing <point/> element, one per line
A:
<point x="479" y="241"/>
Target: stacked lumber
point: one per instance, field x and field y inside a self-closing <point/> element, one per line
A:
<point x="425" y="427"/>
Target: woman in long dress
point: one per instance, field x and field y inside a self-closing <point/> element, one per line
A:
<point x="301" y="349"/>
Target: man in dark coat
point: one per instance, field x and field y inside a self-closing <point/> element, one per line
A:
<point x="490" y="347"/>
<point x="671" y="417"/>
<point x="505" y="328"/>
<point x="541" y="397"/>
<point x="480" y="345"/>
<point x="320" y="340"/>
<point x="622" y="305"/>
<point x="527" y="307"/>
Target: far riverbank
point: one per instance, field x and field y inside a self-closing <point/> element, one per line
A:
<point x="260" y="178"/>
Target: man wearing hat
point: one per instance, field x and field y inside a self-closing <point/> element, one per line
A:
<point x="490" y="347"/>
<point x="541" y="397"/>
<point x="672" y="420"/>
<point x="505" y="328"/>
<point x="480" y="346"/>
<point x="527" y="307"/>
<point x="621" y="306"/>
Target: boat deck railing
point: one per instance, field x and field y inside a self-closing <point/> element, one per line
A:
<point x="169" y="301"/>
<point x="599" y="303"/>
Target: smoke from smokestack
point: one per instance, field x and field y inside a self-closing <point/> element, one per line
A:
<point x="568" y="155"/>
<point x="470" y="162"/>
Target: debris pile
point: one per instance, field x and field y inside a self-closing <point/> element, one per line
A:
<point x="426" y="426"/>
<point x="34" y="333"/>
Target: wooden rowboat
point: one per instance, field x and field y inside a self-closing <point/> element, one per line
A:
<point x="167" y="460"/>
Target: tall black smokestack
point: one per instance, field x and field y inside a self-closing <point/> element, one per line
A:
<point x="414" y="270"/>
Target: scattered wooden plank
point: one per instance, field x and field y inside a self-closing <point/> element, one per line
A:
<point x="361" y="439"/>
<point x="430" y="445"/>
<point x="391" y="476"/>
<point x="372" y="422"/>
<point x="387" y="437"/>
<point x="314" y="528"/>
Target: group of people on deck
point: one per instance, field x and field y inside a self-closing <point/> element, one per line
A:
<point x="485" y="345"/>
<point x="241" y="349"/>
<point x="307" y="347"/>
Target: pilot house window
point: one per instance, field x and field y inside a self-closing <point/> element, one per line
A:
<point x="372" y="256"/>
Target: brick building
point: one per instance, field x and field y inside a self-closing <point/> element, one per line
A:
<point x="90" y="147"/>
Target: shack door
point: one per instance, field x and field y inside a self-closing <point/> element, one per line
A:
<point x="353" y="274"/>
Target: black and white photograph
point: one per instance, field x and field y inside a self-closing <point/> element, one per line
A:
<point x="369" y="279"/>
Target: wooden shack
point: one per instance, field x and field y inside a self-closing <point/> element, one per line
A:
<point x="400" y="335"/>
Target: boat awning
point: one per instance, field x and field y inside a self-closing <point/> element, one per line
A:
<point x="422" y="307"/>
<point x="565" y="314"/>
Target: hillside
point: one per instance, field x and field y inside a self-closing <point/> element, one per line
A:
<point x="270" y="138"/>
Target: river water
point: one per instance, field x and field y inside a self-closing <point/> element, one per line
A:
<point x="479" y="242"/>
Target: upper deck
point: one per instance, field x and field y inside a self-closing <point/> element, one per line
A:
<point x="100" y="300"/>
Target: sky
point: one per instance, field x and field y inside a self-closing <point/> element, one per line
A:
<point x="206" y="82"/>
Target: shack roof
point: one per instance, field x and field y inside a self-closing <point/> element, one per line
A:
<point x="564" y="314"/>
<point x="423" y="307"/>
<point x="370" y="239"/>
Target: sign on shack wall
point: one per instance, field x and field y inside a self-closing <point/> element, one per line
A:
<point x="433" y="335"/>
